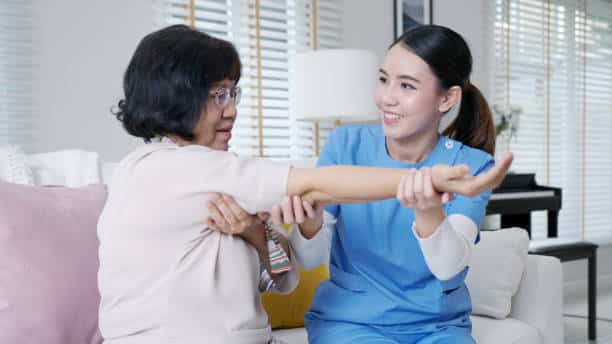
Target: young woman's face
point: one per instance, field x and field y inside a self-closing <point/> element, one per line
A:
<point x="407" y="95"/>
<point x="214" y="129"/>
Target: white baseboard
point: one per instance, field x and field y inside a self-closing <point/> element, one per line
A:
<point x="576" y="291"/>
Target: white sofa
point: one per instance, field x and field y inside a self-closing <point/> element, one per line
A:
<point x="536" y="308"/>
<point x="536" y="315"/>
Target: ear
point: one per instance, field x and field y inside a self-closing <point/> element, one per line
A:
<point x="449" y="99"/>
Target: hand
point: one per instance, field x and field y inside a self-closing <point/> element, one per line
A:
<point x="294" y="209"/>
<point x="226" y="216"/>
<point x="416" y="191"/>
<point x="455" y="179"/>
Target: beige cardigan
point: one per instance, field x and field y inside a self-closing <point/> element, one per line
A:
<point x="166" y="278"/>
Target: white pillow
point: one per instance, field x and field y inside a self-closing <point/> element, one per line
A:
<point x="71" y="168"/>
<point x="496" y="269"/>
<point x="14" y="167"/>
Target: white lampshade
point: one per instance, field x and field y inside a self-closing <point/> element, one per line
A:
<point x="335" y="84"/>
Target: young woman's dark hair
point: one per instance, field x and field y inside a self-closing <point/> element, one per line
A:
<point x="167" y="81"/>
<point x="449" y="57"/>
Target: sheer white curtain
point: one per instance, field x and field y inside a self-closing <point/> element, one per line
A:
<point x="553" y="59"/>
<point x="17" y="73"/>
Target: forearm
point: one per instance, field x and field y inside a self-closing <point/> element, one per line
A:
<point x="311" y="252"/>
<point x="348" y="184"/>
<point x="427" y="221"/>
<point x="344" y="184"/>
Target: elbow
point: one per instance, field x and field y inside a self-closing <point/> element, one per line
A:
<point x="447" y="273"/>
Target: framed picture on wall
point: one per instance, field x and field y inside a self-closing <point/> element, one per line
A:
<point x="411" y="13"/>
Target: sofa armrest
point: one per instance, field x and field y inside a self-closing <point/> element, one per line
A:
<point x="539" y="300"/>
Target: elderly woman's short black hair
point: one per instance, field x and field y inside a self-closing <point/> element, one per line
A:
<point x="168" y="79"/>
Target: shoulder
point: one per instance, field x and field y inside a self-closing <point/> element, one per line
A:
<point x="478" y="160"/>
<point x="350" y="135"/>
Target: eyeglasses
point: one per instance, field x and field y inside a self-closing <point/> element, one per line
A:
<point x="223" y="95"/>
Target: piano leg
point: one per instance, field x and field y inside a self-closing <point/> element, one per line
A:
<point x="517" y="220"/>
<point x="553" y="219"/>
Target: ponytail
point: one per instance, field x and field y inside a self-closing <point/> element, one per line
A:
<point x="473" y="126"/>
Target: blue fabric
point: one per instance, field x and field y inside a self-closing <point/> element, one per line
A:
<point x="378" y="275"/>
<point x="337" y="332"/>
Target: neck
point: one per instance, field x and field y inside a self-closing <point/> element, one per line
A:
<point x="412" y="149"/>
<point x="178" y="141"/>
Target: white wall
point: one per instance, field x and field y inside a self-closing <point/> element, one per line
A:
<point x="86" y="46"/>
<point x="368" y="24"/>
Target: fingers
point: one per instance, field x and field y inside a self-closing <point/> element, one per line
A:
<point x="399" y="194"/>
<point x="216" y="218"/>
<point x="488" y="180"/>
<point x="409" y="187"/>
<point x="446" y="197"/>
<point x="298" y="210"/>
<point x="418" y="190"/>
<point x="310" y="211"/>
<point x="500" y="169"/>
<point x="277" y="217"/>
<point x="404" y="189"/>
<point x="287" y="208"/>
<point x="224" y="209"/>
<point x="239" y="213"/>
<point x="428" y="189"/>
<point x="263" y="216"/>
<point x="468" y="185"/>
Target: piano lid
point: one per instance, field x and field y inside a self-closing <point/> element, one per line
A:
<point x="518" y="181"/>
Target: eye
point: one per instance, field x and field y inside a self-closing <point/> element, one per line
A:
<point x="407" y="86"/>
<point x="382" y="79"/>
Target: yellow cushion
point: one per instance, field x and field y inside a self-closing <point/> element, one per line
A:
<point x="287" y="311"/>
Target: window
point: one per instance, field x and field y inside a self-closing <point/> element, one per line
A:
<point x="16" y="73"/>
<point x="266" y="33"/>
<point x="553" y="59"/>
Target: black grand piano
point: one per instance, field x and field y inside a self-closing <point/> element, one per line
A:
<point x="518" y="195"/>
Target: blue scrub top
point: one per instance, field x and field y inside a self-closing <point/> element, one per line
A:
<point x="378" y="274"/>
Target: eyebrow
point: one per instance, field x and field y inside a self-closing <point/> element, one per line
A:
<point x="402" y="76"/>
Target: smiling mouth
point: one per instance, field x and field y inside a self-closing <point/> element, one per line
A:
<point x="392" y="116"/>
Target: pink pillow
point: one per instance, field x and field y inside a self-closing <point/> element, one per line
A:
<point x="49" y="264"/>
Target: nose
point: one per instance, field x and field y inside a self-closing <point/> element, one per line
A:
<point x="230" y="111"/>
<point x="387" y="96"/>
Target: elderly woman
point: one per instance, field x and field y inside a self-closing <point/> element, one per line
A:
<point x="164" y="276"/>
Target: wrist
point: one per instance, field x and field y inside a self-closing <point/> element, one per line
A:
<point x="255" y="236"/>
<point x="310" y="228"/>
<point x="428" y="220"/>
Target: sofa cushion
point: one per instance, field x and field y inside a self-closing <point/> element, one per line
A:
<point x="488" y="330"/>
<point x="49" y="264"/>
<point x="292" y="336"/>
<point x="496" y="269"/>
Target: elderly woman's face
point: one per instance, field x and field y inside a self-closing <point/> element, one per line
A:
<point x="214" y="129"/>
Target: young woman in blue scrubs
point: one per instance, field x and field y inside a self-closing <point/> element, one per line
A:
<point x="398" y="266"/>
